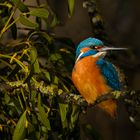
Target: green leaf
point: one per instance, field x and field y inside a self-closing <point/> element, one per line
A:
<point x="25" y="21"/>
<point x="42" y="115"/>
<point x="74" y="116"/>
<point x="7" y="98"/>
<point x="54" y="22"/>
<point x="34" y="60"/>
<point x="55" y="57"/>
<point x="39" y="21"/>
<point x="63" y="114"/>
<point x="56" y="80"/>
<point x="71" y="7"/>
<point x="39" y="12"/>
<point x="3" y="21"/>
<point x="47" y="75"/>
<point x="47" y="37"/>
<point x="20" y="130"/>
<point x="21" y="6"/>
<point x="33" y="95"/>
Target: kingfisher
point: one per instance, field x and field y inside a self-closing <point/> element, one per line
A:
<point x="93" y="75"/>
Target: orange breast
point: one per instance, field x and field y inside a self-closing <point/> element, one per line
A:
<point x="88" y="80"/>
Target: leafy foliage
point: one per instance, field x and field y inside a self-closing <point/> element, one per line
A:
<point x="27" y="113"/>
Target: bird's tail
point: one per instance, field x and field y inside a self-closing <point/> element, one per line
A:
<point x="109" y="106"/>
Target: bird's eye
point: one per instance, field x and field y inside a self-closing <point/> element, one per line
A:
<point x="98" y="47"/>
<point x="93" y="47"/>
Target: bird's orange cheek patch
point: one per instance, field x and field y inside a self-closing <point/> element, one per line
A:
<point x="85" y="49"/>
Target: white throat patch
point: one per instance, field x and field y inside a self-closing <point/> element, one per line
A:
<point x="78" y="57"/>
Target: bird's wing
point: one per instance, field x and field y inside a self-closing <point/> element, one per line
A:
<point x="110" y="74"/>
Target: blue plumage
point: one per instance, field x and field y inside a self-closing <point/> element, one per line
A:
<point x="88" y="53"/>
<point x="110" y="74"/>
<point x="88" y="43"/>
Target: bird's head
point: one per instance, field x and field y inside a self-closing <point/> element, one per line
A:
<point x="93" y="46"/>
<point x="89" y="43"/>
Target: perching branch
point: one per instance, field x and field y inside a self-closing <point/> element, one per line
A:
<point x="64" y="96"/>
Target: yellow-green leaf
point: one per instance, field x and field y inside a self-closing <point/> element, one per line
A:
<point x="34" y="60"/>
<point x="63" y="114"/>
<point x="74" y="116"/>
<point x="54" y="21"/>
<point x="47" y="75"/>
<point x="56" y="80"/>
<point x="25" y="21"/>
<point x="71" y="7"/>
<point x="46" y="36"/>
<point x="20" y="130"/>
<point x="21" y="6"/>
<point x="42" y="115"/>
<point x="39" y="12"/>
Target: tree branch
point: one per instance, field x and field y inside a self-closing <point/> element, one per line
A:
<point x="64" y="96"/>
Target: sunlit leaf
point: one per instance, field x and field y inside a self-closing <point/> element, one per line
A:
<point x="21" y="6"/>
<point x="12" y="58"/>
<point x="63" y="114"/>
<point x="39" y="12"/>
<point x="20" y="130"/>
<point x="25" y="21"/>
<point x="9" y="5"/>
<point x="71" y="7"/>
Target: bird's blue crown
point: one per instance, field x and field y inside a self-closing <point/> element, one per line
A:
<point x="88" y="43"/>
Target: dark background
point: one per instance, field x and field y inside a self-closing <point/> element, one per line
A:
<point x="122" y="20"/>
